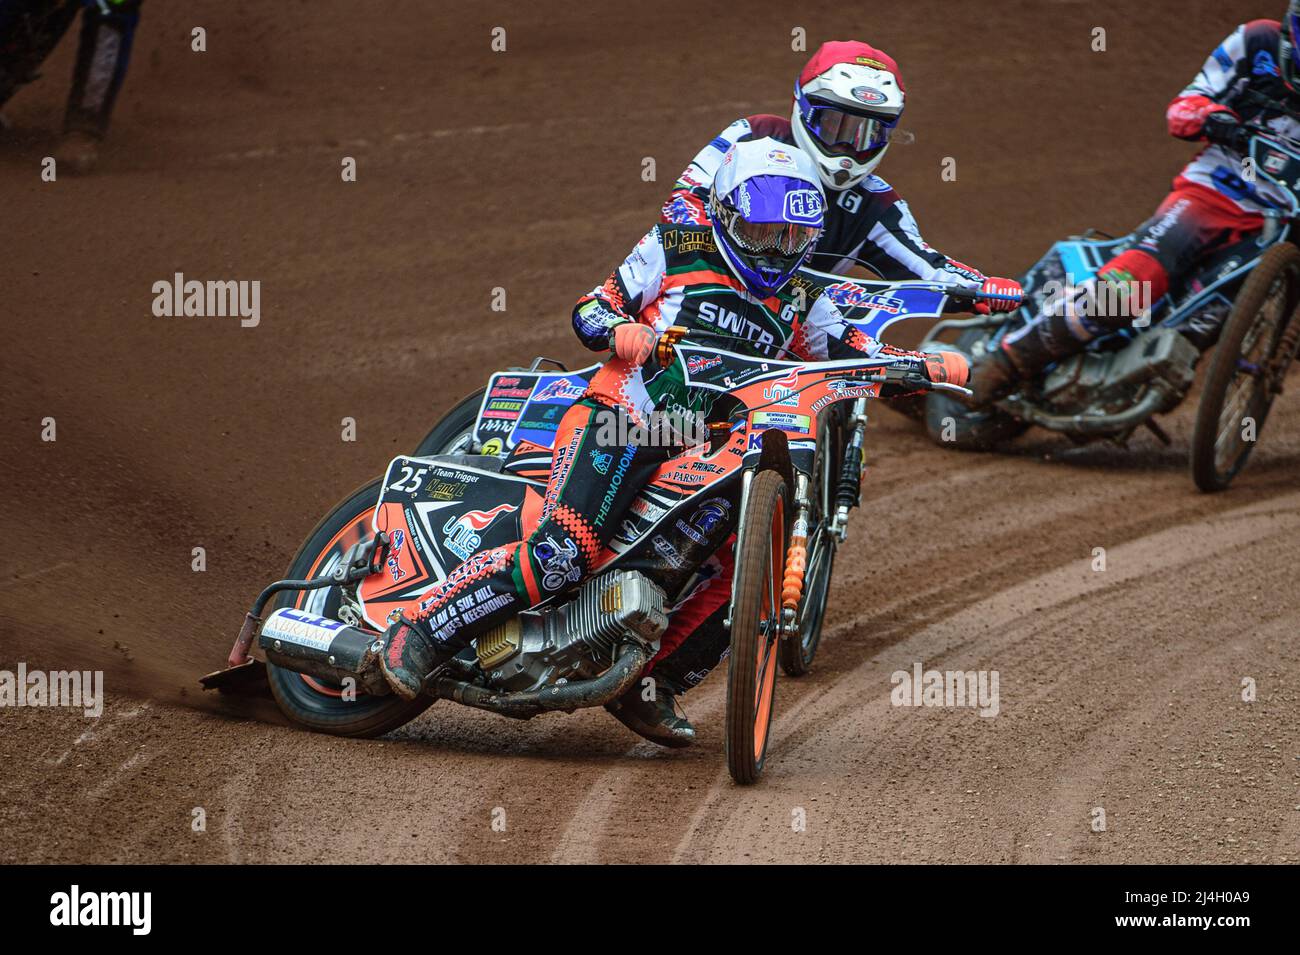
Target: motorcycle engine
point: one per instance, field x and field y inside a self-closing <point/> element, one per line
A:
<point x="577" y="640"/>
<point x="1096" y="383"/>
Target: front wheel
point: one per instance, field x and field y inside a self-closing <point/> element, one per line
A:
<point x="755" y="626"/>
<point x="1255" y="351"/>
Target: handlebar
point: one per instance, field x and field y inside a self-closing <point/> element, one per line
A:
<point x="1261" y="99"/>
<point x="1261" y="130"/>
<point x="665" y="352"/>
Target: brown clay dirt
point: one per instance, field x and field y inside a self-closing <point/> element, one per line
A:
<point x="1119" y="690"/>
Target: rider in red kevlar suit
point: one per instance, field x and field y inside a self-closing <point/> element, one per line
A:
<point x="1251" y="76"/>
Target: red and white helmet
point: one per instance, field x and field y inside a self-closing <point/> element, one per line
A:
<point x="847" y="101"/>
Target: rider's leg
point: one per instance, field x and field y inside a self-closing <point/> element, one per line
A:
<point x="102" y="56"/>
<point x="693" y="644"/>
<point x="592" y="482"/>
<point x="1191" y="222"/>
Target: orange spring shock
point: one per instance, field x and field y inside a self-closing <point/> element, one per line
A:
<point x="796" y="563"/>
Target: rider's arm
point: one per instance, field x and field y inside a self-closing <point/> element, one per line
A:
<point x="895" y="250"/>
<point x="1205" y="94"/>
<point x="828" y="335"/>
<point x="632" y="286"/>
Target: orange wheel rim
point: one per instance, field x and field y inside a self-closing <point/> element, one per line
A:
<point x="358" y="526"/>
<point x="769" y="613"/>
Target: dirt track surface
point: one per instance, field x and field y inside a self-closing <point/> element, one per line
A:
<point x="1119" y="690"/>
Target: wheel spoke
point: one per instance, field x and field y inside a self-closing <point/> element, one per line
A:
<point x="1229" y="443"/>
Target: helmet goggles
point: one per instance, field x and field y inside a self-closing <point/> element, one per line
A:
<point x="844" y="132"/>
<point x="770" y="238"/>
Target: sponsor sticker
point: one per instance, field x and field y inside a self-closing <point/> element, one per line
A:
<point x="697" y="364"/>
<point x="869" y="95"/>
<point x="783" y="420"/>
<point x="304" y="629"/>
<point x="803" y="205"/>
<point x="561" y="389"/>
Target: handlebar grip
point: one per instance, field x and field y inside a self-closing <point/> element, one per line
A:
<point x="665" y="349"/>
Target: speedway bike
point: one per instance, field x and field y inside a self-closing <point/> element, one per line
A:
<point x="1243" y="300"/>
<point x="477" y="482"/>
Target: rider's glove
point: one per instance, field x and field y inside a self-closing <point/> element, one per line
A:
<point x="947" y="367"/>
<point x="632" y="342"/>
<point x="1223" y="128"/>
<point x="1008" y="294"/>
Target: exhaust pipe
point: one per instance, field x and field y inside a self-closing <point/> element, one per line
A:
<point x="323" y="648"/>
<point x="1157" y="399"/>
<point x="332" y="650"/>
<point x="575" y="695"/>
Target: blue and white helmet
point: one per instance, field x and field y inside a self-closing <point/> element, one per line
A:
<point x="766" y="206"/>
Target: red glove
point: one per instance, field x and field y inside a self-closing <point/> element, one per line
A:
<point x="1009" y="296"/>
<point x="947" y="367"/>
<point x="632" y="342"/>
<point x="1187" y="115"/>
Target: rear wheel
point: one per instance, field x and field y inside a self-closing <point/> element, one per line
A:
<point x="454" y="434"/>
<point x="1256" y="348"/>
<point x="755" y="627"/>
<point x="319" y="704"/>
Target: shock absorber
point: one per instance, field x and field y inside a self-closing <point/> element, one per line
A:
<point x="848" y="491"/>
<point x="796" y="557"/>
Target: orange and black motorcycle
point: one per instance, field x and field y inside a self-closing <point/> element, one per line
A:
<point x="477" y="482"/>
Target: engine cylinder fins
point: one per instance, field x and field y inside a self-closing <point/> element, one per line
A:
<point x="577" y="640"/>
<point x="611" y="598"/>
<point x="499" y="644"/>
<point x="615" y="606"/>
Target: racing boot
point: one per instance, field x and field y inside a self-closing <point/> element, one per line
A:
<point x="655" y="719"/>
<point x="1062" y="328"/>
<point x="992" y="376"/>
<point x="409" y="656"/>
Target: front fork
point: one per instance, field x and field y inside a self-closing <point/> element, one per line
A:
<point x="848" y="490"/>
<point x="846" y="497"/>
<point x="796" y="555"/>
